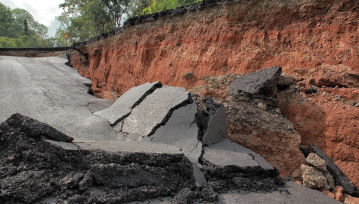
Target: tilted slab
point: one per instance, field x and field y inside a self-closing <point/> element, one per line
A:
<point x="227" y="153"/>
<point x="154" y="110"/>
<point x="259" y="82"/>
<point x="217" y="128"/>
<point x="182" y="131"/>
<point x="293" y="193"/>
<point x="123" y="105"/>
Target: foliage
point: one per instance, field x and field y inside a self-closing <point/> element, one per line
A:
<point x="18" y="28"/>
<point x="83" y="19"/>
<point x="159" y="5"/>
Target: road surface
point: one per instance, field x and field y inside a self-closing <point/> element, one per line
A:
<point x="51" y="92"/>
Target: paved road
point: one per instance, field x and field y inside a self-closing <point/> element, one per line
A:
<point x="51" y="92"/>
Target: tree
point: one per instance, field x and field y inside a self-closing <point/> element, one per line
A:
<point x="83" y="19"/>
<point x="19" y="29"/>
<point x="26" y="27"/>
<point x="20" y="15"/>
<point x="6" y="21"/>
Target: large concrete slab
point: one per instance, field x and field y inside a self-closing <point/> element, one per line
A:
<point x="228" y="153"/>
<point x="123" y="105"/>
<point x="181" y="131"/>
<point x="293" y="193"/>
<point x="152" y="112"/>
<point x="260" y="82"/>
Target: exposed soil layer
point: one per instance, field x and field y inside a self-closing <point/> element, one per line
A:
<point x="231" y="37"/>
<point x="32" y="170"/>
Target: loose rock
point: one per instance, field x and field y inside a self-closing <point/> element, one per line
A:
<point x="313" y="178"/>
<point x="261" y="82"/>
<point x="317" y="162"/>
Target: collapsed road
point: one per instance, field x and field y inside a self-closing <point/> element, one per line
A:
<point x="155" y="144"/>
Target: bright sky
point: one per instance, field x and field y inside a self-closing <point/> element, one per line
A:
<point x="44" y="11"/>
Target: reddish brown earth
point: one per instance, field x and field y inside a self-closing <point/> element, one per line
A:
<point x="317" y="42"/>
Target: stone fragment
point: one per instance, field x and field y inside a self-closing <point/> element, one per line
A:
<point x="261" y="82"/>
<point x="188" y="75"/>
<point x="338" y="193"/>
<point x="317" y="162"/>
<point x="123" y="105"/>
<point x="313" y="178"/>
<point x="338" y="175"/>
<point x="181" y="131"/>
<point x="155" y="110"/>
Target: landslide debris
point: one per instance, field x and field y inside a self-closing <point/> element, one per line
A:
<point x="33" y="170"/>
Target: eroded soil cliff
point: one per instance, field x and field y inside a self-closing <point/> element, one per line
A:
<point x="316" y="42"/>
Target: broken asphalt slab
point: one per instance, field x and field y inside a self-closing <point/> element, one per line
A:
<point x="90" y="175"/>
<point x="182" y="131"/>
<point x="33" y="171"/>
<point x="211" y="119"/>
<point x="124" y="105"/>
<point x="154" y="111"/>
<point x="36" y="129"/>
<point x="228" y="153"/>
<point x="260" y="82"/>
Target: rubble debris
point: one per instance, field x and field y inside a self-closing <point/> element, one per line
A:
<point x="317" y="162"/>
<point x="264" y="131"/>
<point x="339" y="176"/>
<point x="260" y="82"/>
<point x="33" y="170"/>
<point x="314" y="178"/>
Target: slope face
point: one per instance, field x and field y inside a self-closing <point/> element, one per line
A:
<point x="231" y="37"/>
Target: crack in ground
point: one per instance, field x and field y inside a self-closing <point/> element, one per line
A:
<point x="169" y="114"/>
<point x="145" y="95"/>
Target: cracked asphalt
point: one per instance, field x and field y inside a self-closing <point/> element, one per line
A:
<point x="49" y="91"/>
